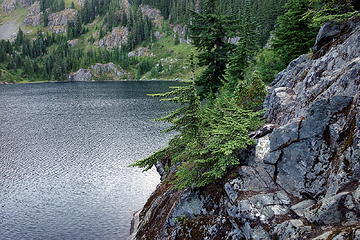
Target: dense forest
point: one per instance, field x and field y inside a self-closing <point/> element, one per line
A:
<point x="33" y="57"/>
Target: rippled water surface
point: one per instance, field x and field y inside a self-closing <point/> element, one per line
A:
<point x="64" y="155"/>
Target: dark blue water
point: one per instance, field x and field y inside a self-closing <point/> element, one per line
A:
<point x="64" y="155"/>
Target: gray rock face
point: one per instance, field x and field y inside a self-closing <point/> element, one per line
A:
<point x="180" y="32"/>
<point x="153" y="14"/>
<point x="301" y="180"/>
<point x="9" y="6"/>
<point x="116" y="38"/>
<point x="33" y="18"/>
<point x="141" y="52"/>
<point x="82" y="75"/>
<point x="58" y="21"/>
<point x="99" y="71"/>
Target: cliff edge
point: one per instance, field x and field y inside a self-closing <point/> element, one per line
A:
<point x="301" y="180"/>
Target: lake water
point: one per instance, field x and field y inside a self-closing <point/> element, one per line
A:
<point x="64" y="155"/>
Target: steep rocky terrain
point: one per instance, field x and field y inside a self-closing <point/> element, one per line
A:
<point x="301" y="180"/>
<point x="153" y="14"/>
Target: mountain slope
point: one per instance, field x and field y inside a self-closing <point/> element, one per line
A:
<point x="148" y="39"/>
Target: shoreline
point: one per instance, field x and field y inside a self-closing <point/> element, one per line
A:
<point x="126" y="80"/>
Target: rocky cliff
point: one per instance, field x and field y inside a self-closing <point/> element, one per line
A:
<point x="153" y="14"/>
<point x="301" y="180"/>
<point x="108" y="71"/>
<point x="58" y="21"/>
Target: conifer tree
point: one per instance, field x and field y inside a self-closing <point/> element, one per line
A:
<point x="248" y="44"/>
<point x="294" y="34"/>
<point x="210" y="31"/>
<point x="19" y="37"/>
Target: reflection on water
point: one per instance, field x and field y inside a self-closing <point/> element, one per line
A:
<point x="64" y="155"/>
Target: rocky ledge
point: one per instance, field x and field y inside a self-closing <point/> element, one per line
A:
<point x="301" y="180"/>
<point x="108" y="71"/>
<point x="141" y="52"/>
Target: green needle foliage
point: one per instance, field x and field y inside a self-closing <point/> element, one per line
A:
<point x="332" y="10"/>
<point x="225" y="129"/>
<point x="208" y="137"/>
<point x="294" y="34"/>
<point x="209" y="31"/>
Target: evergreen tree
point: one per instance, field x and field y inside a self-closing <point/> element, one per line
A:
<point x="247" y="46"/>
<point x="294" y="34"/>
<point x="46" y="19"/>
<point x="210" y="31"/>
<point x="19" y="38"/>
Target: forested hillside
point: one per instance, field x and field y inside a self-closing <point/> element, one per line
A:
<point x="59" y="37"/>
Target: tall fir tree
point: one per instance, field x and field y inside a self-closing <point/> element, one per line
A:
<point x="294" y="34"/>
<point x="210" y="31"/>
<point x="247" y="46"/>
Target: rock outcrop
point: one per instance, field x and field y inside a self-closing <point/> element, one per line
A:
<point x="153" y="14"/>
<point x="141" y="52"/>
<point x="73" y="42"/>
<point x="117" y="37"/>
<point x="33" y="18"/>
<point x="9" y="6"/>
<point x="82" y="75"/>
<point x="301" y="180"/>
<point x="99" y="71"/>
<point x="180" y="32"/>
<point x="58" y="21"/>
